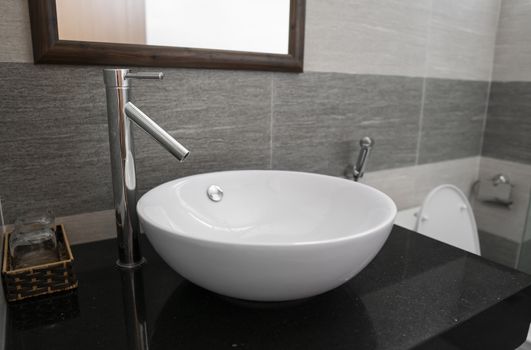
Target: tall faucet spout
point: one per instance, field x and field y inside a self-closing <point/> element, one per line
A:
<point x="120" y="115"/>
<point x="155" y="131"/>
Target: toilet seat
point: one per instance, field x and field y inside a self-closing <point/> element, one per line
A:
<point x="446" y="215"/>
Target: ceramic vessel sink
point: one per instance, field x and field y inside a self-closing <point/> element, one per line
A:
<point x="273" y="236"/>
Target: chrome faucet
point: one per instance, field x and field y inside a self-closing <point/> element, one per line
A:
<point x="366" y="144"/>
<point x="120" y="112"/>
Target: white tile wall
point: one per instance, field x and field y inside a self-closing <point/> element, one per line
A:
<point x="15" y="36"/>
<point x="385" y="37"/>
<point x="89" y="227"/>
<point x="367" y="36"/>
<point x="452" y="39"/>
<point x="409" y="186"/>
<point x="459" y="172"/>
<point x="513" y="43"/>
<point x="461" y="40"/>
<point x="398" y="183"/>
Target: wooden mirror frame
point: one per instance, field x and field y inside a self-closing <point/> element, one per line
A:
<point x="47" y="48"/>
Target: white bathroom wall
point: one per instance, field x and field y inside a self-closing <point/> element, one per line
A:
<point x="451" y="39"/>
<point x="461" y="39"/>
<point x="367" y="37"/>
<point x="513" y="44"/>
<point x="15" y="33"/>
<point x="409" y="186"/>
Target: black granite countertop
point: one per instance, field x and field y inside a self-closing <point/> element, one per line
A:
<point x="417" y="293"/>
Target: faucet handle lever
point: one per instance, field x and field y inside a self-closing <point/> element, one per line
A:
<point x="145" y="75"/>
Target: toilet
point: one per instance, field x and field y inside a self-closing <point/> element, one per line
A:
<point x="445" y="215"/>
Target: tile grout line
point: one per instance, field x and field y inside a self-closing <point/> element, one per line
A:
<point x="485" y="113"/>
<point x="421" y="120"/>
<point x="422" y="102"/>
<point x="489" y="87"/>
<point x="424" y="77"/>
<point x="271" y="107"/>
<point x="423" y="91"/>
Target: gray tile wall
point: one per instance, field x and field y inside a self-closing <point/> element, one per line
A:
<point x="524" y="262"/>
<point x="508" y="128"/>
<point x="54" y="143"/>
<point x="453" y="118"/>
<point x="53" y="139"/>
<point x="53" y="128"/>
<point x="320" y="117"/>
<point x="223" y="117"/>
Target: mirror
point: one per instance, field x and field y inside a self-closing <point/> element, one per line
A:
<point x="230" y="34"/>
<point x="236" y="25"/>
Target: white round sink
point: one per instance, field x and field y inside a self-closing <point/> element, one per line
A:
<point x="266" y="235"/>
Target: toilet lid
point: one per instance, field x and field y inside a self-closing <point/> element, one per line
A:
<point x="446" y="215"/>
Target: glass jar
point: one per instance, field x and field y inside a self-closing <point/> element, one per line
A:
<point x="33" y="242"/>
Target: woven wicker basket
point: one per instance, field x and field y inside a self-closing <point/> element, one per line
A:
<point x="49" y="278"/>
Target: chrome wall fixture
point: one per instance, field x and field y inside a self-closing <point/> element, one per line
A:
<point x="497" y="190"/>
<point x="366" y="144"/>
<point x="120" y="113"/>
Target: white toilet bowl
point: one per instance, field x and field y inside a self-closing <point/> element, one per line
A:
<point x="445" y="215"/>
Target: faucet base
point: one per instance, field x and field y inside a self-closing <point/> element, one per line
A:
<point x="131" y="266"/>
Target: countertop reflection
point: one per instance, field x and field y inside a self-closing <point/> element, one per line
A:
<point x="417" y="293"/>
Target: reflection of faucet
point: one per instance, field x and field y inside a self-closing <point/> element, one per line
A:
<point x="134" y="309"/>
<point x="358" y="169"/>
<point x="120" y="112"/>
